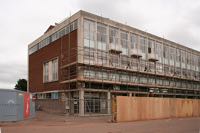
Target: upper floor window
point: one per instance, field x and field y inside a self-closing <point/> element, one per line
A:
<point x="143" y="44"/>
<point x="159" y="49"/>
<point x="89" y="33"/>
<point x="46" y="72"/>
<point x="113" y="35"/>
<point x="33" y="49"/>
<point x="178" y="55"/>
<point x="183" y="56"/>
<point x="188" y="61"/>
<point x="50" y="71"/>
<point x="101" y="37"/>
<point x="133" y="40"/>
<point x="55" y="69"/>
<point x="124" y="42"/>
<point x="150" y="46"/>
<point x="172" y="53"/>
<point x="124" y="39"/>
<point x="165" y="52"/>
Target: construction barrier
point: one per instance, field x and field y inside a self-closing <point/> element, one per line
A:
<point x="147" y="108"/>
<point x="16" y="105"/>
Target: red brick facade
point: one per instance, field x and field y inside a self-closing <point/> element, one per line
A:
<point x="59" y="48"/>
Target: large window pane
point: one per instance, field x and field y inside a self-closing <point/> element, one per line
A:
<point x="124" y="42"/>
<point x="101" y="37"/>
<point x="89" y="33"/>
<point x="133" y="39"/>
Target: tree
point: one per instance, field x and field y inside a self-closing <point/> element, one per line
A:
<point x="21" y="85"/>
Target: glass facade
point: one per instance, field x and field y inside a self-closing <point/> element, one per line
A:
<point x="173" y="61"/>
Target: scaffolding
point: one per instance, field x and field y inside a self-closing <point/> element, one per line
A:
<point x="100" y="70"/>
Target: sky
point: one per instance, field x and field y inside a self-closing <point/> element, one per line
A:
<point x="23" y="21"/>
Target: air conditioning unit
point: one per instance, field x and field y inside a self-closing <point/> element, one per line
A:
<point x="136" y="53"/>
<point x="152" y="57"/>
<point x="117" y="49"/>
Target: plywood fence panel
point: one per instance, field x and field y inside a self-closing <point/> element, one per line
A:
<point x="146" y="108"/>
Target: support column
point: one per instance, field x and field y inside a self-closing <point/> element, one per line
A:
<point x="71" y="103"/>
<point x="109" y="102"/>
<point x="81" y="102"/>
<point x="130" y="94"/>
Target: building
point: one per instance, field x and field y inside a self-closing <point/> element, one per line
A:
<point x="88" y="59"/>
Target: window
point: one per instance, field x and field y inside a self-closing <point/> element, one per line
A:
<point x="183" y="59"/>
<point x="44" y="42"/>
<point x="134" y="78"/>
<point x="101" y="75"/>
<point x="89" y="74"/>
<point x="67" y="29"/>
<point x="172" y="55"/>
<point x="105" y="75"/>
<point x="178" y="55"/>
<point x="89" y="56"/>
<point x="89" y="33"/>
<point x="62" y="32"/>
<point x="194" y="61"/>
<point x="159" y="50"/>
<point x="124" y="77"/>
<point x="150" y="46"/>
<point x="54" y="95"/>
<point x="114" y="76"/>
<point x="55" y="70"/>
<point x="54" y="37"/>
<point x="33" y="49"/>
<point x="101" y="37"/>
<point x="46" y="72"/>
<point x="124" y="42"/>
<point x="142" y="44"/>
<point x="75" y="25"/>
<point x="133" y="39"/>
<point x="50" y="71"/>
<point x="113" y="36"/>
<point x="188" y="60"/>
<point x="114" y="60"/>
<point x="71" y="27"/>
<point x="165" y="54"/>
<point x="101" y="58"/>
<point x="143" y="79"/>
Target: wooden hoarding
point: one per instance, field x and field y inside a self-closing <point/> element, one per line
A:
<point x="146" y="108"/>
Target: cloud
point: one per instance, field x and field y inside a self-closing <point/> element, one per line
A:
<point x="23" y="21"/>
<point x="10" y="73"/>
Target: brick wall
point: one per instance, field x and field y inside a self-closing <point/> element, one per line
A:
<point x="59" y="48"/>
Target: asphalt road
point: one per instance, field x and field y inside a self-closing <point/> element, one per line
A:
<point x="48" y="123"/>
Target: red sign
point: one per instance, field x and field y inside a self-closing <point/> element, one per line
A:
<point x="26" y="105"/>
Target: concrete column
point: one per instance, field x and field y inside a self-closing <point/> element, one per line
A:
<point x="71" y="103"/>
<point x="81" y="103"/>
<point x="109" y="102"/>
<point x="130" y="94"/>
